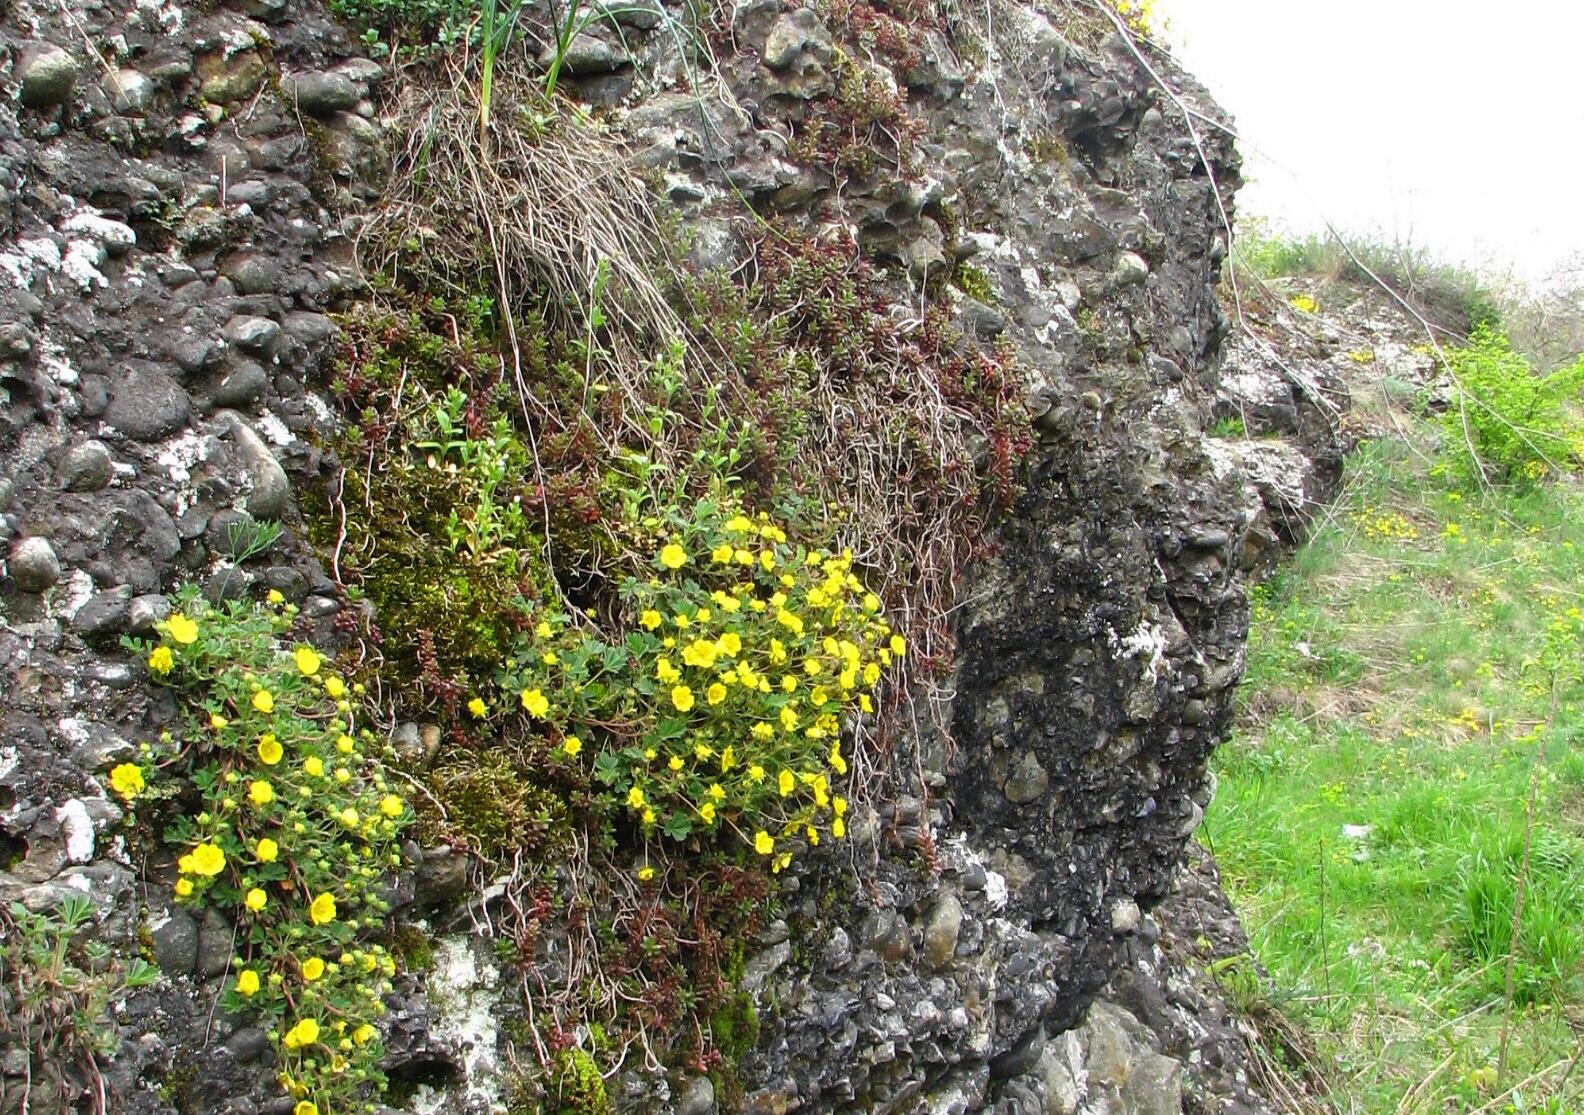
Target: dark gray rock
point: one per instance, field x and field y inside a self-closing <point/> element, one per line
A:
<point x="242" y="386"/>
<point x="176" y="943"/>
<point x="145" y="612"/>
<point x="103" y="615"/>
<point x="216" y="944"/>
<point x="698" y="1097"/>
<point x="147" y="405"/>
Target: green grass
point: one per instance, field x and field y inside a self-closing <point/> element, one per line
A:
<point x="1399" y="714"/>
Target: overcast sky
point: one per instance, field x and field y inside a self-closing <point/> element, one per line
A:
<point x="1458" y="125"/>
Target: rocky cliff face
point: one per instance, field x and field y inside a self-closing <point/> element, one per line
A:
<point x="179" y="227"/>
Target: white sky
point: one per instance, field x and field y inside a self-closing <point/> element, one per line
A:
<point x="1454" y="124"/>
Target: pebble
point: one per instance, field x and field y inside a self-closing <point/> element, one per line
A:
<point x="147" y="405"/>
<point x="47" y="74"/>
<point x="33" y="565"/>
<point x="86" y="467"/>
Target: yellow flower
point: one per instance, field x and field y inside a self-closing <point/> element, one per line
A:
<point x="217" y="722"/>
<point x="898" y="645"/>
<point x="535" y="702"/>
<point x="730" y="643"/>
<point x="789" y="682"/>
<point x="702" y="751"/>
<point x="477" y="707"/>
<point x="785" y="782"/>
<point x="323" y="909"/>
<point x="767" y="560"/>
<point x="269" y="749"/>
<point x="306" y="1032"/>
<point x="762" y="730"/>
<point x="550" y="658"/>
<point x="707" y="812"/>
<point x="645" y="873"/>
<point x="542" y="630"/>
<point x="344" y="744"/>
<point x="700" y="653"/>
<point x="335" y="687"/>
<point x="650" y="619"/>
<point x="728" y="758"/>
<point x="572" y="746"/>
<point x="665" y="671"/>
<point x="716" y="792"/>
<point x="789" y="720"/>
<point x="675" y="763"/>
<point x="255" y="900"/>
<point x="673" y="556"/>
<point x="361" y="1036"/>
<point x="127" y="780"/>
<point x="160" y="660"/>
<point x="839" y="805"/>
<point x="312" y="968"/>
<point x="715" y="694"/>
<point x="208" y="860"/>
<point x="247" y="982"/>
<point x="648" y="816"/>
<point x="314" y="765"/>
<point x="266" y="850"/>
<point x="722" y="554"/>
<point x="342" y="774"/>
<point x="838" y="764"/>
<point x="763" y="844"/>
<point x="682" y="698"/>
<point x="260" y="792"/>
<point x="635" y="798"/>
<point x="739" y="524"/>
<point x="182" y="630"/>
<point x="756" y="773"/>
<point x="838" y="828"/>
<point x="275" y="596"/>
<point x="682" y="622"/>
<point x="391" y="806"/>
<point x="184" y="887"/>
<point x="306" y="1107"/>
<point x="308" y="661"/>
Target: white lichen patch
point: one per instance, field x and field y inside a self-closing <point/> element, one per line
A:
<point x="86" y="221"/>
<point x="464" y="994"/>
<point x="1149" y="642"/>
<point x="77" y="827"/>
<point x="273" y="429"/>
<point x="81" y="263"/>
<point x="179" y="457"/>
<point x="33" y="257"/>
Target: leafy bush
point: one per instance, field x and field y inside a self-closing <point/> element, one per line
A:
<point x="1507" y="420"/>
<point x="296" y="834"/>
<point x="722" y="711"/>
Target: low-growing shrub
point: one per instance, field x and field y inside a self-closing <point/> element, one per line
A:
<point x="722" y="711"/>
<point x="293" y="841"/>
<point x="1506" y="421"/>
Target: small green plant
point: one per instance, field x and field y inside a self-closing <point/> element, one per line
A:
<point x="248" y="538"/>
<point x="57" y="988"/>
<point x="1230" y="426"/>
<point x="486" y="463"/>
<point x="1506" y="421"/>
<point x="294" y="839"/>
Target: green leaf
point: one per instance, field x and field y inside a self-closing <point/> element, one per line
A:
<point x="607" y="768"/>
<point x="677" y="826"/>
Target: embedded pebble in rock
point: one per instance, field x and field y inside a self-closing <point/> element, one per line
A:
<point x="321" y="94"/>
<point x="103" y="616"/>
<point x="86" y="467"/>
<point x="940" y="935"/>
<point x="145" y="612"/>
<point x="1125" y="917"/>
<point x="242" y="386"/>
<point x="175" y="942"/>
<point x="146" y="405"/>
<point x="698" y="1098"/>
<point x="33" y="565"/>
<point x="46" y="74"/>
<point x="268" y="488"/>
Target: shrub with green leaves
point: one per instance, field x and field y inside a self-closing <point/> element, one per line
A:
<point x="722" y="711"/>
<point x="296" y="834"/>
<point x="1506" y="421"/>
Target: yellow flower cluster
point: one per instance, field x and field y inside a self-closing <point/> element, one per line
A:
<point x="749" y="657"/>
<point x="295" y="840"/>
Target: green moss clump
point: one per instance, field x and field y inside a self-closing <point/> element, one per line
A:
<point x="974" y="282"/>
<point x="412" y="947"/>
<point x="580" y="1087"/>
<point x="490" y="801"/>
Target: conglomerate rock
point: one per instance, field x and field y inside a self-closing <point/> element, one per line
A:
<point x="177" y="228"/>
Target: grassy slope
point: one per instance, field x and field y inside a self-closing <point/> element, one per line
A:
<point x="1371" y="816"/>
